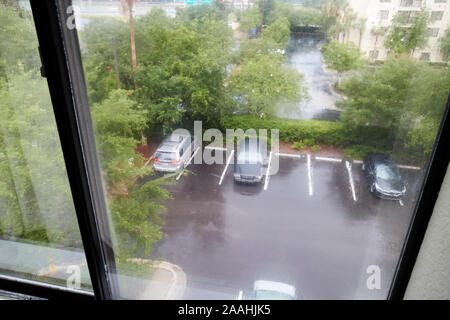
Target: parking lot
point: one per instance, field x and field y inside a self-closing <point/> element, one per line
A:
<point x="313" y="225"/>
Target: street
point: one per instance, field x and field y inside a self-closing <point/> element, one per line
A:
<point x="306" y="230"/>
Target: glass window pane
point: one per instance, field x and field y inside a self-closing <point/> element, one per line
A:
<point x="320" y="204"/>
<point x="39" y="235"/>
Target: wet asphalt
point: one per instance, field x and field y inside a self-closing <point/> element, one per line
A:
<point x="304" y="55"/>
<point x="227" y="236"/>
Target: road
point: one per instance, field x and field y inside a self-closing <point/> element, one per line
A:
<point x="226" y="236"/>
<point x="305" y="56"/>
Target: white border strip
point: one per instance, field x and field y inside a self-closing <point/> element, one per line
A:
<point x="188" y="163"/>
<point x="266" y="182"/>
<point x="289" y="155"/>
<point x="226" y="167"/>
<point x="350" y="178"/>
<point x="408" y="167"/>
<point x="328" y="159"/>
<point x="310" y="176"/>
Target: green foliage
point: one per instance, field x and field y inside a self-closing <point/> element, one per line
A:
<point x="360" y="151"/>
<point x="35" y="198"/>
<point x="249" y="19"/>
<point x="297" y="16"/>
<point x="445" y="45"/>
<point x="406" y="34"/>
<point x="311" y="131"/>
<point x="341" y="57"/>
<point x="278" y="32"/>
<point x="315" y="148"/>
<point x="298" y="145"/>
<point x="135" y="208"/>
<point x="400" y="102"/>
<point x="266" y="84"/>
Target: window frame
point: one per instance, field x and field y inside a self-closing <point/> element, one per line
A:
<point x="62" y="66"/>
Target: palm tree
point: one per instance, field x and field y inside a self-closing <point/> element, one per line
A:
<point x="378" y="32"/>
<point x="361" y="27"/>
<point x="127" y="11"/>
<point x="348" y="20"/>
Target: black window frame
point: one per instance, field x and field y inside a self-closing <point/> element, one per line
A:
<point x="62" y="66"/>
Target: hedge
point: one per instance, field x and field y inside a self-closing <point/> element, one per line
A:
<point x="332" y="133"/>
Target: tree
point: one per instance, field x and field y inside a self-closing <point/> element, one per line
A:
<point x="341" y="57"/>
<point x="35" y="198"/>
<point x="377" y="32"/>
<point x="400" y="103"/>
<point x="264" y="84"/>
<point x="445" y="45"/>
<point x="127" y="9"/>
<point x="249" y="19"/>
<point x="135" y="207"/>
<point x="297" y="16"/>
<point x="361" y="27"/>
<point x="408" y="33"/>
<point x="278" y="32"/>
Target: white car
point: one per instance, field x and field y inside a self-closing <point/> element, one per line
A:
<point x="271" y="290"/>
<point x="174" y="153"/>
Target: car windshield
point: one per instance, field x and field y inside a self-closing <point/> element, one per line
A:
<point x="385" y="172"/>
<point x="161" y="155"/>
<point x="272" y="295"/>
<point x="247" y="157"/>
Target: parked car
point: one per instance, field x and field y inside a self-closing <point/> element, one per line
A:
<point x="174" y="152"/>
<point x="383" y="176"/>
<point x="269" y="290"/>
<point x="249" y="162"/>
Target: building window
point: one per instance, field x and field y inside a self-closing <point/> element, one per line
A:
<point x="383" y="14"/>
<point x="425" y="56"/>
<point x="436" y="15"/>
<point x="433" y="32"/>
<point x="373" y="54"/>
<point x="411" y="3"/>
<point x="440" y="1"/>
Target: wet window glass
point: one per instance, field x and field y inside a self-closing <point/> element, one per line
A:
<point x="39" y="235"/>
<point x="332" y="90"/>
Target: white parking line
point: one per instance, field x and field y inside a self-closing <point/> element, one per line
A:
<point x="266" y="182"/>
<point x="289" y="155"/>
<point x="226" y="167"/>
<point x="328" y="159"/>
<point x="350" y="178"/>
<point x="401" y="203"/>
<point x="401" y="166"/>
<point x="408" y="167"/>
<point x="188" y="163"/>
<point x="310" y="176"/>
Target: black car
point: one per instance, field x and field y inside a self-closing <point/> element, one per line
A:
<point x="383" y="176"/>
<point x="249" y="162"/>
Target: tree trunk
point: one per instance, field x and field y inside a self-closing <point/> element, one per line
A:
<point x="133" y="43"/>
<point x="116" y="64"/>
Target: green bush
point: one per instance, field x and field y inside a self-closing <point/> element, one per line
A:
<point x="298" y="145"/>
<point x="311" y="132"/>
<point x="359" y="151"/>
<point x="315" y="148"/>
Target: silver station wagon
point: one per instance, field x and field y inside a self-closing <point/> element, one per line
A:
<point x="174" y="153"/>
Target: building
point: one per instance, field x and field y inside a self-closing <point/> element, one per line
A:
<point x="378" y="14"/>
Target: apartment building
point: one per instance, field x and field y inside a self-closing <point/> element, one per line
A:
<point x="378" y="14"/>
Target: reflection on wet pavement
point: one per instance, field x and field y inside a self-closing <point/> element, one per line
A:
<point x="305" y="56"/>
